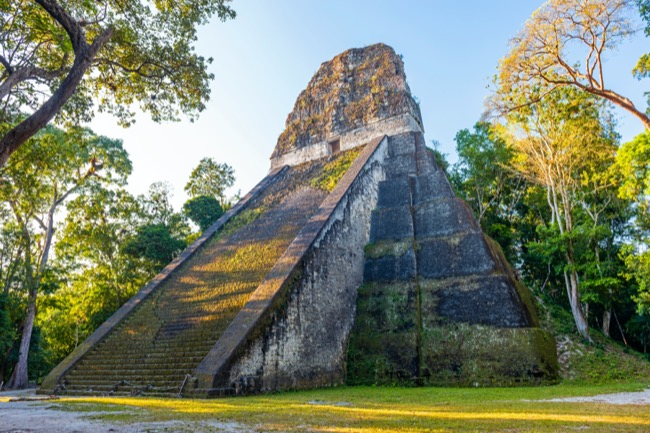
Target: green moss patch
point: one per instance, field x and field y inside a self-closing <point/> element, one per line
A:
<point x="334" y="170"/>
<point x="474" y="355"/>
<point x="387" y="248"/>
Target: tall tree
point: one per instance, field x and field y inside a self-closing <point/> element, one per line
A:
<point x="558" y="143"/>
<point x="212" y="179"/>
<point x="58" y="55"/>
<point x="545" y="55"/>
<point x="633" y="167"/>
<point x="51" y="167"/>
<point x="484" y="178"/>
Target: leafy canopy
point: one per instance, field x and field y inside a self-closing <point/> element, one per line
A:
<point x="211" y="178"/>
<point x="70" y="57"/>
<point x="203" y="211"/>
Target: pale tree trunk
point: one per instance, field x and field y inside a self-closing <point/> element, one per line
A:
<point x="20" y="377"/>
<point x="570" y="278"/>
<point x="573" y="292"/>
<point x="607" y="318"/>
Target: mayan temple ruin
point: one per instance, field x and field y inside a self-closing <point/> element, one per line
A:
<point x="352" y="262"/>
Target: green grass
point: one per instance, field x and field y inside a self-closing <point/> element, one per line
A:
<point x="387" y="410"/>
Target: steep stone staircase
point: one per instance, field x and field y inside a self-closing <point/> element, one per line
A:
<point x="156" y="348"/>
<point x="436" y="290"/>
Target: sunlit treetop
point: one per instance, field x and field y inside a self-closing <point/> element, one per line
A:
<point x="565" y="43"/>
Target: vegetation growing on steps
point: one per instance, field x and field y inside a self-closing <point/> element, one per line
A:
<point x="193" y="307"/>
<point x="334" y="170"/>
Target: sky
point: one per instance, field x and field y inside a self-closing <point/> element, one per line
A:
<point x="267" y="55"/>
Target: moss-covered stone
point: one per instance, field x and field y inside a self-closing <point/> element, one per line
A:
<point x="387" y="248"/>
<point x="383" y="344"/>
<point x="475" y="355"/>
<point x="334" y="170"/>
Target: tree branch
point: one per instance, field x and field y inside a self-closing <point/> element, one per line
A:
<point x="84" y="56"/>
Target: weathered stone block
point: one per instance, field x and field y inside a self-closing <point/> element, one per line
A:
<point x="486" y="300"/>
<point x="394" y="193"/>
<point x="452" y="256"/>
<point x="393" y="223"/>
<point x="390" y="268"/>
<point x="401" y="144"/>
<point x="475" y="355"/>
<point x="402" y="165"/>
<point x="443" y="217"/>
<point x="383" y="343"/>
<point x="431" y="187"/>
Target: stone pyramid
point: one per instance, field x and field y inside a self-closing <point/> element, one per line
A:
<point x="351" y="261"/>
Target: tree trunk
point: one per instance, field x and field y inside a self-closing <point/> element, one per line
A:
<point x="19" y="378"/>
<point x="576" y="306"/>
<point x="607" y="318"/>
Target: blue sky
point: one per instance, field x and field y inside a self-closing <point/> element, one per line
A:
<point x="266" y="56"/>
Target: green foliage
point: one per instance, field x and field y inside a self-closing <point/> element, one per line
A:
<point x="52" y="168"/>
<point x="7" y="331"/>
<point x="483" y="177"/>
<point x="633" y="169"/>
<point x="203" y="211"/>
<point x="335" y="169"/>
<point x="154" y="242"/>
<point x="149" y="59"/>
<point x="211" y="179"/>
<point x="639" y="329"/>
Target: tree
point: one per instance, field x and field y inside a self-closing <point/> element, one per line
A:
<point x="633" y="168"/>
<point x="61" y="57"/>
<point x="211" y="178"/>
<point x="642" y="68"/>
<point x="154" y="242"/>
<point x="544" y="55"/>
<point x="562" y="143"/>
<point x="49" y="169"/>
<point x="483" y="177"/>
<point x="203" y="211"/>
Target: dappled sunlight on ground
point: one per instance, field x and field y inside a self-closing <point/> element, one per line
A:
<point x="388" y="410"/>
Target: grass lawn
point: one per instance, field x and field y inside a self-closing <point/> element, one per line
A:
<point x="387" y="410"/>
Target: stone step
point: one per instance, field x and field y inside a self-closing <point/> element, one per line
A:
<point x="159" y="347"/>
<point x="444" y="217"/>
<point x="161" y="370"/>
<point x="391" y="224"/>
<point x="431" y="187"/>
<point x="451" y="256"/>
<point x="476" y="300"/>
<point x="391" y="267"/>
<point x="125" y="380"/>
<point x="403" y="162"/>
<point x="394" y="193"/>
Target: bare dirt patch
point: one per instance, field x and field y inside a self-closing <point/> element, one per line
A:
<point x="641" y="397"/>
<point x="33" y="416"/>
